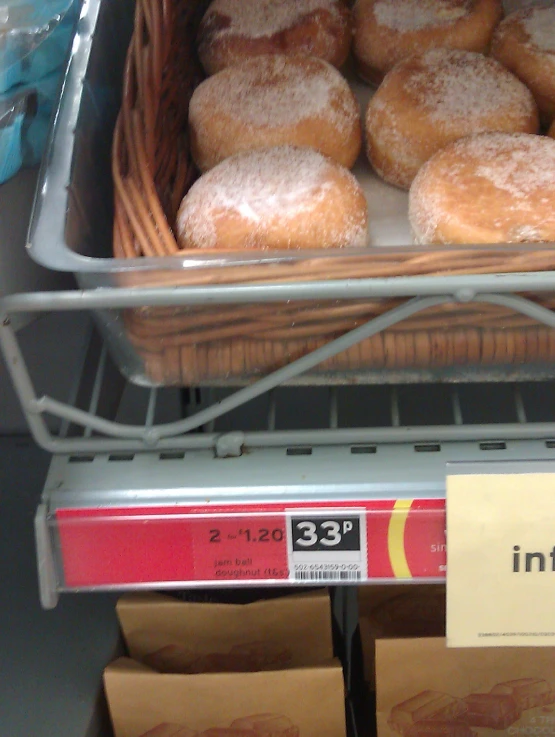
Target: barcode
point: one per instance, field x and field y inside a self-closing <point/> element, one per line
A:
<point x="328" y="575"/>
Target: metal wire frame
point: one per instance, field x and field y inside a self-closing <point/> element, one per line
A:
<point x="115" y="436"/>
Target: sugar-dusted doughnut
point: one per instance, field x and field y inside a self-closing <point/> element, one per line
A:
<point x="434" y="98"/>
<point x="525" y="43"/>
<point x="234" y="30"/>
<point x="274" y="100"/>
<point x="511" y="176"/>
<point x="279" y="198"/>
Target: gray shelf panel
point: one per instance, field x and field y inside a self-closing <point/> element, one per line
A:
<point x="338" y="473"/>
<point x="100" y="433"/>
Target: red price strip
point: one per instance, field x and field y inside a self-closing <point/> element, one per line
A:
<point x="115" y="546"/>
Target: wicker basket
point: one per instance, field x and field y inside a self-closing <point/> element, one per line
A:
<point x="152" y="171"/>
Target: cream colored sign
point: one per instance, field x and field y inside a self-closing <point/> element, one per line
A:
<point x="501" y="560"/>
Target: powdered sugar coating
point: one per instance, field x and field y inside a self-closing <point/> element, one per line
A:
<point x="452" y="84"/>
<point x="513" y="178"/>
<point x="539" y="24"/>
<point x="275" y="90"/>
<point x="523" y="166"/>
<point x="259" y="18"/>
<point x="268" y="189"/>
<point x="271" y="181"/>
<point x="414" y="15"/>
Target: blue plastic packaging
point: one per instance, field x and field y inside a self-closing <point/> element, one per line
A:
<point x="34" y="37"/>
<point x="34" y="41"/>
<point x="25" y="122"/>
<point x="11" y="130"/>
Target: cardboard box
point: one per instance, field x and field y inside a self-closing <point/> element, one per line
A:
<point x="398" y="611"/>
<point x="425" y="689"/>
<point x="172" y="636"/>
<point x="307" y="702"/>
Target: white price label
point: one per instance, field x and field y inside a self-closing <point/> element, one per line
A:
<point x="327" y="546"/>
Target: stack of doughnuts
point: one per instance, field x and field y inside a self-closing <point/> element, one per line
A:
<point x="275" y="127"/>
<point x="443" y="114"/>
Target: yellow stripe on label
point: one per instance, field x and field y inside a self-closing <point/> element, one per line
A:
<point x="396" y="538"/>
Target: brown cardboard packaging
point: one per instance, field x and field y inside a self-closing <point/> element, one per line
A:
<point x="425" y="689"/>
<point x="398" y="611"/>
<point x="172" y="636"/>
<point x="304" y="702"/>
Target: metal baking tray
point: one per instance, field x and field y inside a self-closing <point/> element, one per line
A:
<point x="71" y="228"/>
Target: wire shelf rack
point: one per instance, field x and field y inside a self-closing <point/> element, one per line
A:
<point x="86" y="428"/>
<point x="142" y="477"/>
